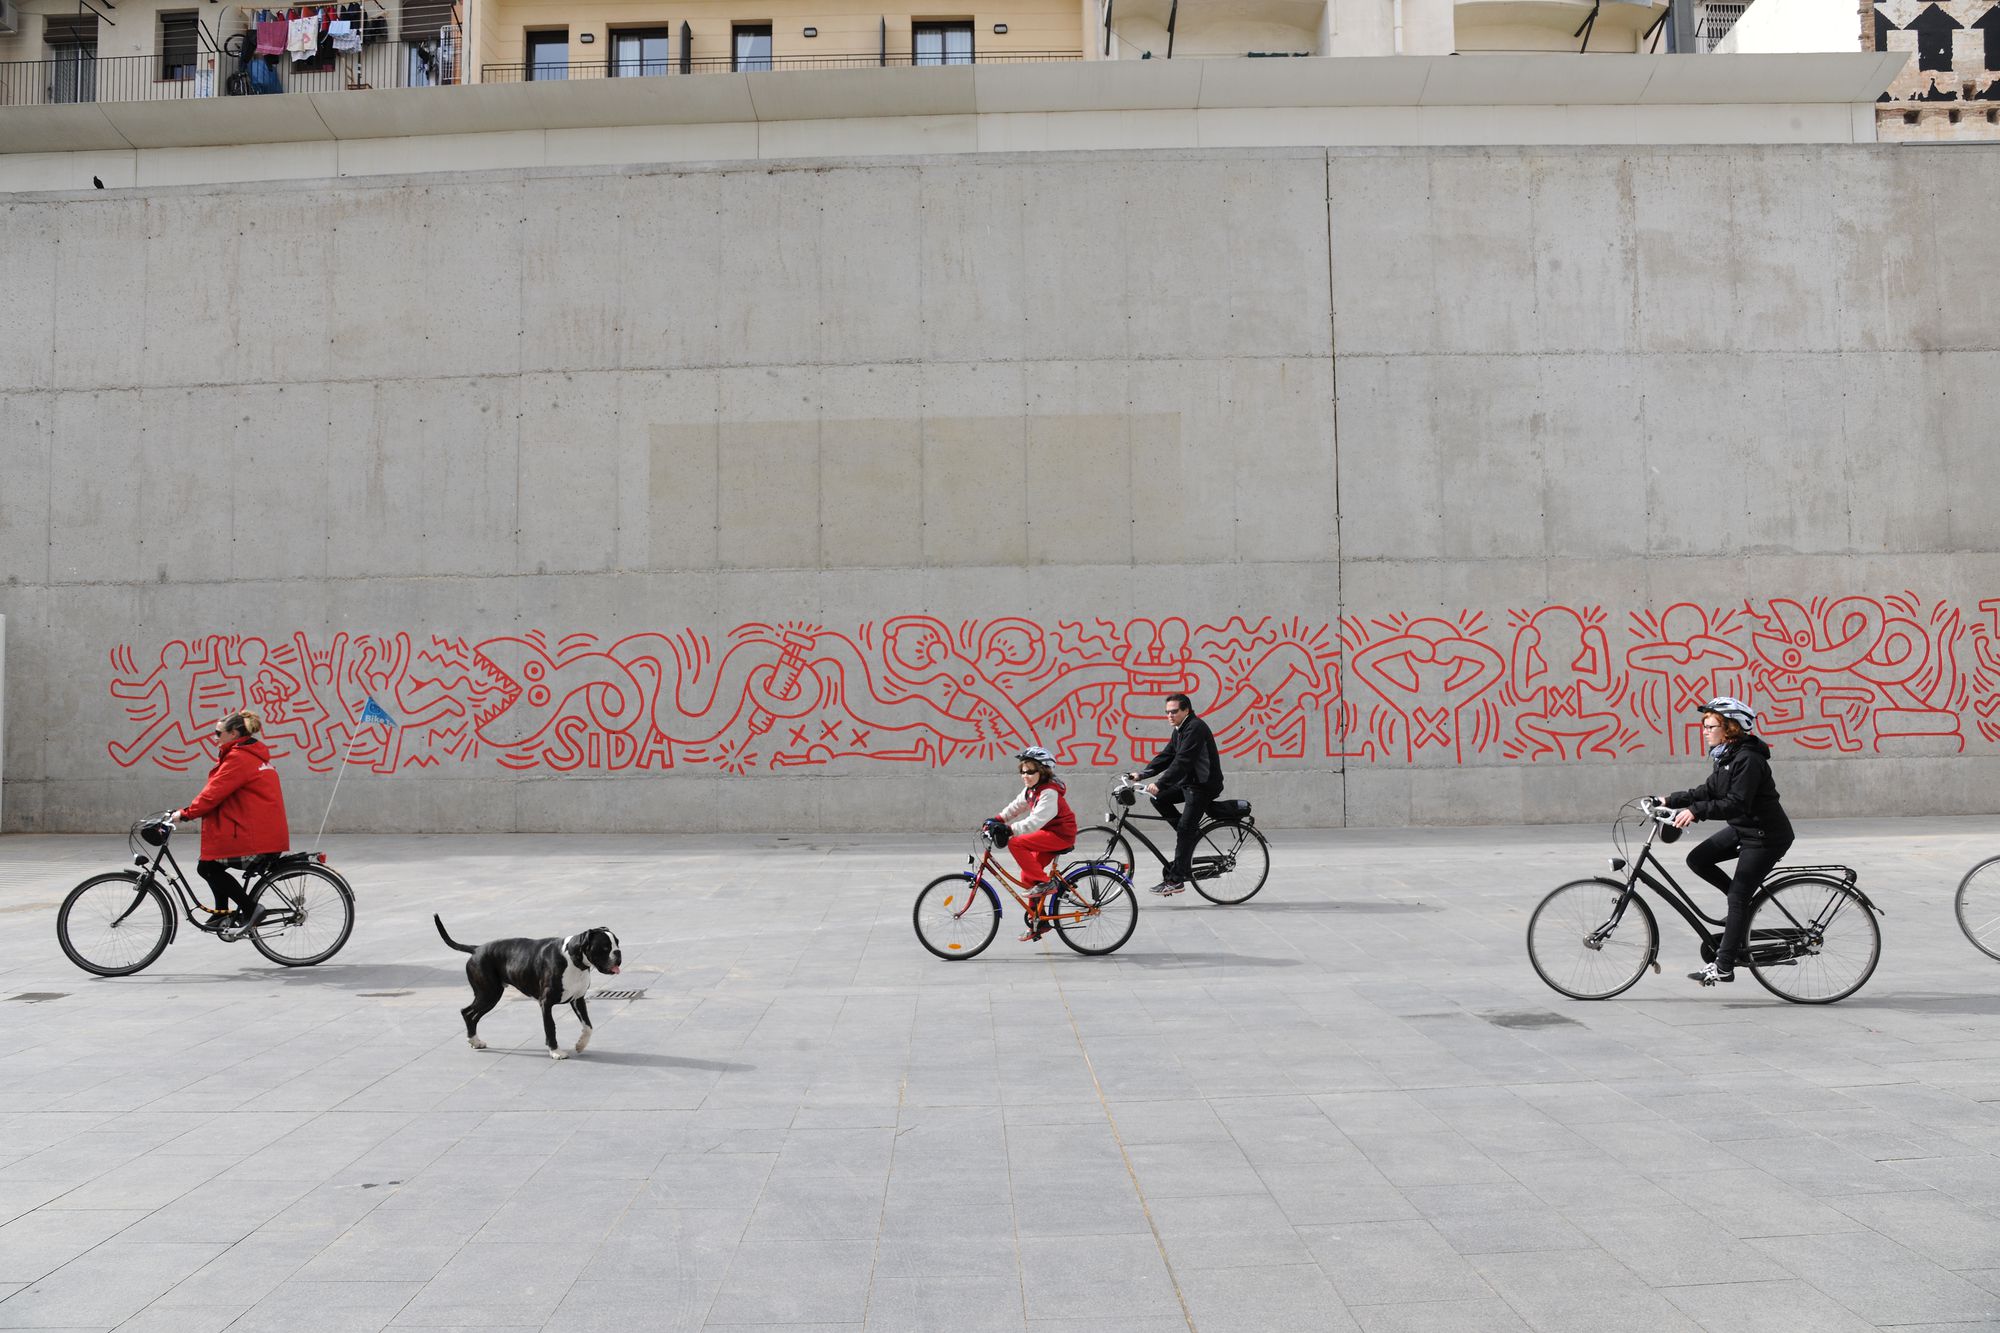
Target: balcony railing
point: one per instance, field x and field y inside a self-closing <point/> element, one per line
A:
<point x="611" y="69"/>
<point x="81" y="78"/>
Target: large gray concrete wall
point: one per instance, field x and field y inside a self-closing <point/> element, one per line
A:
<point x="791" y="499"/>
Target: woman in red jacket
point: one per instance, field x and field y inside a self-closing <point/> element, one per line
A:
<point x="242" y="811"/>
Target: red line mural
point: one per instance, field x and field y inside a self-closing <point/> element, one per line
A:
<point x="1839" y="675"/>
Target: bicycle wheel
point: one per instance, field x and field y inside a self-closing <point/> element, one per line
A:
<point x="956" y="917"/>
<point x="1575" y="946"/>
<point x="1109" y="907"/>
<point x="1978" y="906"/>
<point x="1102" y="845"/>
<point x="113" y="926"/>
<point x="1230" y="863"/>
<point x="309" y="915"/>
<point x="1812" y="940"/>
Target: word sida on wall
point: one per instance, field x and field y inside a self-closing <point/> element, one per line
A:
<point x="1840" y="675"/>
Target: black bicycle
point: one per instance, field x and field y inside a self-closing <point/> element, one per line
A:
<point x="1231" y="860"/>
<point x="1813" y="935"/>
<point x="1977" y="906"/>
<point x="117" y="923"/>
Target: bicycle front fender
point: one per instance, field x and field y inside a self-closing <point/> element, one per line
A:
<point x="142" y="884"/>
<point x="1634" y="899"/>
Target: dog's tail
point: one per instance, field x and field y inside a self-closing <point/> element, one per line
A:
<point x="462" y="948"/>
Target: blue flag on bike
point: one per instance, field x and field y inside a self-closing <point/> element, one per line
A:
<point x="374" y="712"/>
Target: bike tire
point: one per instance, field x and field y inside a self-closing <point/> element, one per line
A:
<point x="1112" y="906"/>
<point x="90" y="918"/>
<point x="952" y="921"/>
<point x="1558" y="940"/>
<point x="1102" y="845"/>
<point x="1233" y="840"/>
<point x="1838" y="965"/>
<point x="314" y="906"/>
<point x="1977" y="906"/>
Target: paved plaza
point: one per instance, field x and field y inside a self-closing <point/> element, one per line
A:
<point x="1346" y="1104"/>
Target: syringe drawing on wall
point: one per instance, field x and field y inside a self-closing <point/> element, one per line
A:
<point x="1529" y="685"/>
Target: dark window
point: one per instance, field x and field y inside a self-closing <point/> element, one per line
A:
<point x="73" y="41"/>
<point x="752" y="50"/>
<point x="179" y="43"/>
<point x="639" y="51"/>
<point x="941" y="43"/>
<point x="1934" y="49"/>
<point x="548" y="54"/>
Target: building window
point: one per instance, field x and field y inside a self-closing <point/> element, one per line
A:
<point x="942" y="43"/>
<point x="638" y="51"/>
<point x="72" y="41"/>
<point x="548" y="54"/>
<point x="179" y="44"/>
<point x="752" y="50"/>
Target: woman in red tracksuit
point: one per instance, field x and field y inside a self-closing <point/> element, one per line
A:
<point x="1043" y="825"/>
<point x="241" y="809"/>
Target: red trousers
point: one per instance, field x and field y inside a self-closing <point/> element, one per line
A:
<point x="1036" y="852"/>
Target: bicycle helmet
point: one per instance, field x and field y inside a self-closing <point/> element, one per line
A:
<point x="1742" y="714"/>
<point x="1038" y="755"/>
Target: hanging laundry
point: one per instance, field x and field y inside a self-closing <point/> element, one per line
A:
<point x="271" y="35"/>
<point x="303" y="39"/>
<point x="345" y="36"/>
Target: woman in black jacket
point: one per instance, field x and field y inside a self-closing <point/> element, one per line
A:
<point x="1739" y="789"/>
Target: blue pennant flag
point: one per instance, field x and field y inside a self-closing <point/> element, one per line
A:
<point x="374" y="712"/>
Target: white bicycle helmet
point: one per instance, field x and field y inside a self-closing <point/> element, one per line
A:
<point x="1742" y="714"/>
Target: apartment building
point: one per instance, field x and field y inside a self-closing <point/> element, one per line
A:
<point x="54" y="51"/>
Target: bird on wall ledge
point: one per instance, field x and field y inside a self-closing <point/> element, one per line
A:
<point x="98" y="181"/>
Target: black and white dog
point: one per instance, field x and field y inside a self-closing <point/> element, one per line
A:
<point x="550" y="971"/>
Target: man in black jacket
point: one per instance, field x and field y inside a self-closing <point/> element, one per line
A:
<point x="1189" y="779"/>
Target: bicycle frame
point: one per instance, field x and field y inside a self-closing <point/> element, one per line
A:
<point x="176" y="879"/>
<point x="1766" y="946"/>
<point x="984" y="860"/>
<point x="1199" y="867"/>
<point x="254" y="883"/>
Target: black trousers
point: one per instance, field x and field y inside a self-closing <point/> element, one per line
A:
<point x="1754" y="858"/>
<point x="1186" y="820"/>
<point x="223" y="883"/>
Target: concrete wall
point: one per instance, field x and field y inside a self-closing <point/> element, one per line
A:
<point x="790" y="497"/>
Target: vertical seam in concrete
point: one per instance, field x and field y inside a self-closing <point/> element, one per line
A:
<point x="1333" y="384"/>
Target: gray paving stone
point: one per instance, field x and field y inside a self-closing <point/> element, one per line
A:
<point x="1765" y="1307"/>
<point x="1290" y="1298"/>
<point x="1376" y="1263"/>
<point x="1492" y="1315"/>
<point x="792" y="1282"/>
<point x="1879" y="1279"/>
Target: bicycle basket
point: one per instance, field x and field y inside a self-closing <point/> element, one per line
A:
<point x="148" y="832"/>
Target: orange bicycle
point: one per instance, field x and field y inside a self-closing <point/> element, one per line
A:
<point x="1092" y="909"/>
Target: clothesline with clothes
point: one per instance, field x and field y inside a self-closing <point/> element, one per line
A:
<point x="315" y="32"/>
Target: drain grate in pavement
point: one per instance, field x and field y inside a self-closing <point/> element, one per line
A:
<point x="39" y="996"/>
<point x="383" y="994"/>
<point x="1529" y="1018"/>
<point x="618" y="994"/>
